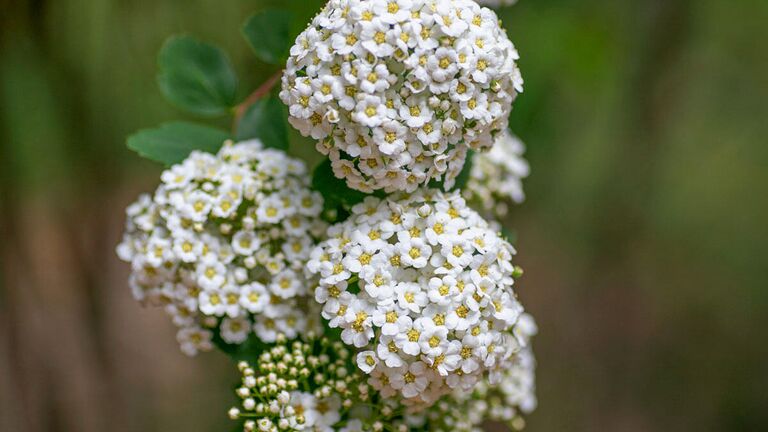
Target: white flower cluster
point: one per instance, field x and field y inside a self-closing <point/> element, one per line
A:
<point x="222" y="245"/>
<point x="515" y="392"/>
<point x="495" y="177"/>
<point x="310" y="386"/>
<point x="423" y="287"/>
<point x="397" y="91"/>
<point x="496" y="3"/>
<point x="505" y="401"/>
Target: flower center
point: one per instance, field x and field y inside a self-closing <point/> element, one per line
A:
<point x="434" y="341"/>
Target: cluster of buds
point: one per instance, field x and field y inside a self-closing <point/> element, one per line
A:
<point x="312" y="385"/>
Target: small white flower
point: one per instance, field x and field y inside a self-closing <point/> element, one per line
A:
<point x="245" y="242"/>
<point x="212" y="302"/>
<point x="254" y="297"/>
<point x="367" y="361"/>
<point x="230" y="296"/>
<point x="358" y="329"/>
<point x="235" y="330"/>
<point x="410" y="380"/>
<point x="392" y="319"/>
<point x="194" y="339"/>
<point x="414" y="252"/>
<point x="286" y="284"/>
<point x="411" y="296"/>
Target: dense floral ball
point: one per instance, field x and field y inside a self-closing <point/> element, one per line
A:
<point x="397" y="91"/>
<point x="496" y="177"/>
<point x="423" y="288"/>
<point x="222" y="243"/>
<point x="496" y="3"/>
<point x="297" y="385"/>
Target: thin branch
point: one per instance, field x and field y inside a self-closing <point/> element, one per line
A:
<point x="257" y="94"/>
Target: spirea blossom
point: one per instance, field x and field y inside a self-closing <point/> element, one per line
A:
<point x="496" y="3"/>
<point x="313" y="386"/>
<point x="222" y="243"/>
<point x="496" y="176"/>
<point x="397" y="91"/>
<point x="423" y="288"/>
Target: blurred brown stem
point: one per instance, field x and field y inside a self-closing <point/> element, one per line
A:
<point x="257" y="94"/>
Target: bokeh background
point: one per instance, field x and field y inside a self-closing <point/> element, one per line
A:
<point x="643" y="237"/>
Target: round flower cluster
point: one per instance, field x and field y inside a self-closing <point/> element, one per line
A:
<point x="312" y="385"/>
<point x="222" y="245"/>
<point x="495" y="177"/>
<point x="423" y="287"/>
<point x="397" y="91"/>
<point x="496" y="3"/>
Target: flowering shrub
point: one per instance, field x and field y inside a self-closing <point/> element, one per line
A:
<point x="369" y="295"/>
<point x="221" y="245"/>
<point x="397" y="91"/>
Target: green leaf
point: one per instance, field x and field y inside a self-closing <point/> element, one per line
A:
<point x="269" y="34"/>
<point x="265" y="120"/>
<point x="173" y="142"/>
<point x="196" y="76"/>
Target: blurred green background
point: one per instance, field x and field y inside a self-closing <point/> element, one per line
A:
<point x="643" y="236"/>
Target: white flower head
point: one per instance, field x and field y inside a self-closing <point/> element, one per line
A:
<point x="450" y="311"/>
<point x="223" y="241"/>
<point x="397" y="91"/>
